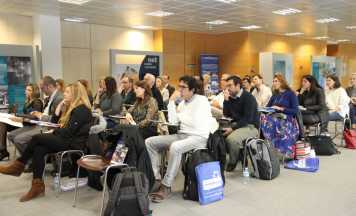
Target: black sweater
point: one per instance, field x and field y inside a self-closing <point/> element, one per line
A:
<point x="243" y="111"/>
<point x="76" y="131"/>
<point x="313" y="101"/>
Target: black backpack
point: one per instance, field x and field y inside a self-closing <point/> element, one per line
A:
<point x="217" y="149"/>
<point x="190" y="161"/>
<point x="129" y="194"/>
<point x="323" y="145"/>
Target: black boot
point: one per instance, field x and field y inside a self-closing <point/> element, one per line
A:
<point x="4" y="154"/>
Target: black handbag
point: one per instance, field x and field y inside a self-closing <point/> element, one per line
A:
<point x="323" y="145"/>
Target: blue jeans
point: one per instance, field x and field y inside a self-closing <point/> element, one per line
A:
<point x="353" y="113"/>
<point x="335" y="116"/>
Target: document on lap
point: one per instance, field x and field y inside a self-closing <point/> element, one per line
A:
<point x="5" y="118"/>
<point x="266" y="110"/>
<point x="44" y="124"/>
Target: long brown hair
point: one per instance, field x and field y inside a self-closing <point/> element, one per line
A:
<point x="283" y="81"/>
<point x="148" y="92"/>
<point x="80" y="97"/>
<point x="35" y="92"/>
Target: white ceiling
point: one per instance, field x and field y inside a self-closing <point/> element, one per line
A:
<point x="191" y="15"/>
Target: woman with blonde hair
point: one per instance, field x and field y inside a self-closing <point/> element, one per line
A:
<point x="75" y="122"/>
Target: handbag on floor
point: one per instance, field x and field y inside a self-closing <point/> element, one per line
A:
<point x="210" y="182"/>
<point x="350" y="138"/>
<point x="306" y="165"/>
<point x="323" y="145"/>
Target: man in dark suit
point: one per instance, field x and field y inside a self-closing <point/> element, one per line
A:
<point x="170" y="88"/>
<point x="20" y="137"/>
<point x="156" y="94"/>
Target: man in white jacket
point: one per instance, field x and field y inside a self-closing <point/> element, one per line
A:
<point x="193" y="115"/>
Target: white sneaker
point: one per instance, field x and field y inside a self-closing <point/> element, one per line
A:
<point x="325" y="134"/>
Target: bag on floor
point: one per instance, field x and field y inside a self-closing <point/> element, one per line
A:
<point x="323" y="145"/>
<point x="191" y="160"/>
<point x="264" y="159"/>
<point x="217" y="148"/>
<point x="306" y="165"/>
<point x="129" y="194"/>
<point x="210" y="182"/>
<point x="302" y="150"/>
<point x="350" y="138"/>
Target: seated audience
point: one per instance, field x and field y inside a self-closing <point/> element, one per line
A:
<point x="241" y="107"/>
<point x="127" y="91"/>
<point x="200" y="85"/>
<point x="21" y="136"/>
<point x="337" y="100"/>
<point x="247" y="84"/>
<point x="281" y="128"/>
<point x="150" y="79"/>
<point x="60" y="85"/>
<point x="145" y="110"/>
<point x="165" y="79"/>
<point x="85" y="83"/>
<point x="351" y="92"/>
<point x="110" y="101"/>
<point x="161" y="87"/>
<point x="32" y="103"/>
<point x="261" y="92"/>
<point x="193" y="115"/>
<point x="218" y="101"/>
<point x="74" y="131"/>
<point x="312" y="103"/>
<point x="100" y="90"/>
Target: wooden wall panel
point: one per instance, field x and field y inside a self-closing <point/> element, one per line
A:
<point x="15" y="29"/>
<point x="347" y="52"/>
<point x="76" y="64"/>
<point x="75" y="35"/>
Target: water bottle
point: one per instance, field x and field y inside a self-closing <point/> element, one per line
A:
<point x="246" y="175"/>
<point x="56" y="182"/>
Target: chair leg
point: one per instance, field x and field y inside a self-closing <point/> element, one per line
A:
<point x="44" y="170"/>
<point x="76" y="187"/>
<point x="60" y="174"/>
<point x="104" y="191"/>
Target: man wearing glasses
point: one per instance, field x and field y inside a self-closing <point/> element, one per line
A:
<point x="193" y="115"/>
<point x="218" y="101"/>
<point x="241" y="107"/>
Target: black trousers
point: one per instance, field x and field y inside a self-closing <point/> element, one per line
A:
<point x="4" y="128"/>
<point x="319" y="117"/>
<point x="39" y="146"/>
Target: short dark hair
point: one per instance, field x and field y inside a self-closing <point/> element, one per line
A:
<point x="236" y="80"/>
<point x="111" y="86"/>
<point x="257" y="75"/>
<point x="336" y="80"/>
<point x="47" y="81"/>
<point x="191" y="83"/>
<point x="248" y="79"/>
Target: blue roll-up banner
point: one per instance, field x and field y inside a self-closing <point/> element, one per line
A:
<point x="209" y="64"/>
<point x="149" y="65"/>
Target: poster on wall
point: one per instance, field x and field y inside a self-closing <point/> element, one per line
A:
<point x="282" y="64"/>
<point x="324" y="65"/>
<point x="209" y="64"/>
<point x="136" y="63"/>
<point x="15" y="74"/>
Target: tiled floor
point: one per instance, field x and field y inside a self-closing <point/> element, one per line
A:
<point x="329" y="192"/>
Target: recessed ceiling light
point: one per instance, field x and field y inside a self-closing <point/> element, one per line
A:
<point x="159" y="13"/>
<point x="142" y="27"/>
<point x="251" y="27"/>
<point x="75" y="19"/>
<point x="321" y="38"/>
<point x="77" y="2"/>
<point x="227" y="1"/>
<point x="287" y="11"/>
<point x="293" y="33"/>
<point x="217" y="22"/>
<point x="343" y="40"/>
<point x="350" y="27"/>
<point x="332" y="42"/>
<point x="327" y="20"/>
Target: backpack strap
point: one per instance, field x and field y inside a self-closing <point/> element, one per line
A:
<point x="114" y="194"/>
<point x="138" y="178"/>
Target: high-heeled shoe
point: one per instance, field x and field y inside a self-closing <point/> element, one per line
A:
<point x="4" y="154"/>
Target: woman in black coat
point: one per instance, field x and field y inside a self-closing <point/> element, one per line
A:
<point x="312" y="103"/>
<point x="73" y="132"/>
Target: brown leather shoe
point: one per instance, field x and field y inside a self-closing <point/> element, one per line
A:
<point x="37" y="190"/>
<point x="14" y="168"/>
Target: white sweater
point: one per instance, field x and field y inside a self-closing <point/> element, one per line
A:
<point x="337" y="101"/>
<point x="194" y="116"/>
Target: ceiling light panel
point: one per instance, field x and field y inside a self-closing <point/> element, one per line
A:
<point x="217" y="22"/>
<point x="294" y="34"/>
<point x="327" y="20"/>
<point x="75" y="19"/>
<point x="76" y="2"/>
<point x="159" y="13"/>
<point x="287" y="11"/>
<point x="250" y="27"/>
<point x="350" y="27"/>
<point x="228" y="1"/>
<point x="321" y="38"/>
<point x="343" y="40"/>
<point x="142" y="27"/>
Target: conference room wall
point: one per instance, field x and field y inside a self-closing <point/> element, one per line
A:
<point x="16" y="30"/>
